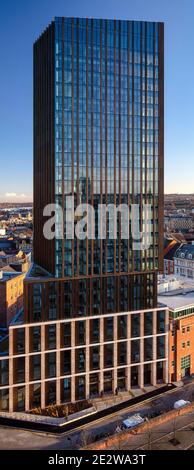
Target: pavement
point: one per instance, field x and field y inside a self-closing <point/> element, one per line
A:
<point x="28" y="440"/>
<point x="174" y="435"/>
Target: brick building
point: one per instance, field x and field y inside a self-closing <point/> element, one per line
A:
<point x="181" y="332"/>
<point x="11" y="296"/>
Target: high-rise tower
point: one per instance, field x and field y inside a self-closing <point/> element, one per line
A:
<point x="98" y="137"/>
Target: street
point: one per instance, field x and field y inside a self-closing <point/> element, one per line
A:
<point x="21" y="439"/>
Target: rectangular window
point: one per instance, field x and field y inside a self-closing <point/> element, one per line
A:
<point x="122" y="327"/>
<point x="35" y="395"/>
<point x="94" y="384"/>
<point x="185" y="362"/>
<point x="50" y="359"/>
<point x="50" y="392"/>
<point x="4" y="399"/>
<point x="4" y="372"/>
<point x="65" y="390"/>
<point x="148" y="323"/>
<point x="148" y="349"/>
<point x="95" y="357"/>
<point x="108" y="355"/>
<point x="161" y="322"/>
<point x="51" y="336"/>
<point x="108" y="329"/>
<point x="80" y="333"/>
<point x="95" y="330"/>
<point x="66" y="335"/>
<point x="135" y="351"/>
<point x="160" y="347"/>
<point x="35" y="339"/>
<point x="19" y="341"/>
<point x="135" y="325"/>
<point x="80" y="360"/>
<point x="35" y="367"/>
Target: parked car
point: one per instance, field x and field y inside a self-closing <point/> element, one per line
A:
<point x="180" y="403"/>
<point x="133" y="421"/>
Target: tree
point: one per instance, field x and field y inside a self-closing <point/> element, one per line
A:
<point x="85" y="438"/>
<point x="149" y="433"/>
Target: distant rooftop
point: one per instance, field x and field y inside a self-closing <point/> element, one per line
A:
<point x="36" y="271"/>
<point x="7" y="275"/>
<point x="180" y="293"/>
<point x="185" y="251"/>
<point x="6" y="244"/>
<point x="177" y="299"/>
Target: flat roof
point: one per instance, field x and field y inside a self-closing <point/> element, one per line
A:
<point x="8" y="275"/>
<point x="182" y="298"/>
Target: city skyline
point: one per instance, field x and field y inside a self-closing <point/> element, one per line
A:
<point x="16" y="178"/>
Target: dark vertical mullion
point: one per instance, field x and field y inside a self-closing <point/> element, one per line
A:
<point x="60" y="299"/>
<point x="154" y="156"/>
<point x="115" y="166"/>
<point x="43" y="162"/>
<point x="101" y="155"/>
<point x="35" y="114"/>
<point x="161" y="143"/>
<point x="77" y="185"/>
<point x="45" y="106"/>
<point x="146" y="131"/>
<point x="87" y="183"/>
<point x="133" y="133"/>
<point x="141" y="201"/>
<point x="92" y="136"/>
<point x="128" y="156"/>
<point x="72" y="134"/>
<point x="118" y="241"/>
<point x="63" y="148"/>
<point x="52" y="127"/>
<point x="117" y="279"/>
<point x="106" y="189"/>
<point x="40" y="143"/>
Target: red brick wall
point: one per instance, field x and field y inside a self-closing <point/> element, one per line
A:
<point x="177" y="341"/>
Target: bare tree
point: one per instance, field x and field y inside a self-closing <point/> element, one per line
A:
<point x="85" y="438"/>
<point x="175" y="425"/>
<point x="149" y="434"/>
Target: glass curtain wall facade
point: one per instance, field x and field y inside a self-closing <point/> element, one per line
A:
<point x="91" y="322"/>
<point x="105" y="124"/>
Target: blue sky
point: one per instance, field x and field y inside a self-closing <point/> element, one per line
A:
<point x="22" y="21"/>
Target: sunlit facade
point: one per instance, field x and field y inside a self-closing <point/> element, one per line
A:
<point x="98" y="136"/>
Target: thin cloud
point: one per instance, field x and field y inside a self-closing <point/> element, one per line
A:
<point x="10" y="195"/>
<point x="16" y="195"/>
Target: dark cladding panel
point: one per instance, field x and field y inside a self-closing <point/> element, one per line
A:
<point x="44" y="151"/>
